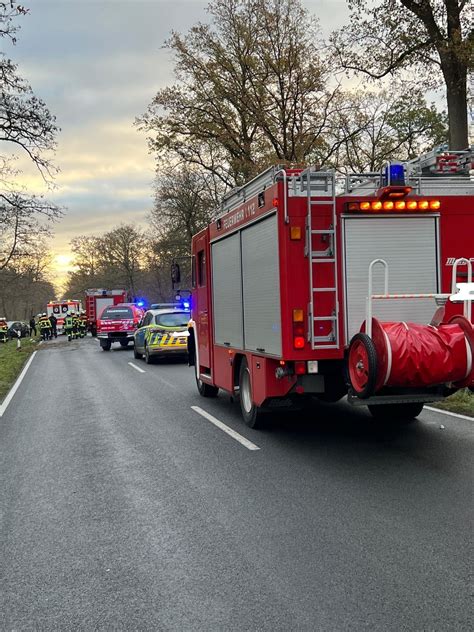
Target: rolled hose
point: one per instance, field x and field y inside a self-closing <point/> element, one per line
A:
<point x="411" y="355"/>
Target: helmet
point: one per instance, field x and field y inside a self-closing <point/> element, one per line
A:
<point x="44" y="314"/>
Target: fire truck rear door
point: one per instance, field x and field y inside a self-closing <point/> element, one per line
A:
<point x="410" y="247"/>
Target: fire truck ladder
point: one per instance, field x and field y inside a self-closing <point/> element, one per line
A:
<point x="323" y="308"/>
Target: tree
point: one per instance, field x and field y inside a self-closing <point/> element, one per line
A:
<point x="431" y="37"/>
<point x="385" y="125"/>
<point x="252" y="90"/>
<point x="26" y="126"/>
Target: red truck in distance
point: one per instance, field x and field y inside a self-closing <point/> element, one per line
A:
<point x="96" y="300"/>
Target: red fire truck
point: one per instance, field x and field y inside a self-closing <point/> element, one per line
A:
<point x="97" y="299"/>
<point x="304" y="287"/>
<point x="60" y="309"/>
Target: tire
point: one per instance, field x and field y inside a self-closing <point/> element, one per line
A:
<point x="396" y="413"/>
<point x="106" y="345"/>
<point x="149" y="359"/>
<point x="362" y="365"/>
<point x="253" y="417"/>
<point x="136" y="355"/>
<point x="206" y="390"/>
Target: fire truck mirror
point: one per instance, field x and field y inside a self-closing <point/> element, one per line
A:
<point x="175" y="273"/>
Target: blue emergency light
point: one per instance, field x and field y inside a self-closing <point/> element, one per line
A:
<point x="186" y="305"/>
<point x="394" y="175"/>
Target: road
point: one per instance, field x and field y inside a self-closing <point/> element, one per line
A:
<point x="124" y="509"/>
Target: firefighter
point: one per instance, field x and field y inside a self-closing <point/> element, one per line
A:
<point x="54" y="325"/>
<point x="75" y="325"/>
<point x="45" y="327"/>
<point x="82" y="324"/>
<point x="3" y="330"/>
<point x="68" y="326"/>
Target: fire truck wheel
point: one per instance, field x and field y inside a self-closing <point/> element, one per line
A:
<point x="398" y="413"/>
<point x="362" y="365"/>
<point x="251" y="413"/>
<point x="106" y="345"/>
<point x="206" y="390"/>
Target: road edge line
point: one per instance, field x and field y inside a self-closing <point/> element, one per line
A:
<point x="222" y="426"/>
<point x="448" y="412"/>
<point x="14" y="388"/>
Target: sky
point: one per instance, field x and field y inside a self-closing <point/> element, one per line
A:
<point x="97" y="64"/>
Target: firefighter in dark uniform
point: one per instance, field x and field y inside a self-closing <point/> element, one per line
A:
<point x="54" y="325"/>
<point x="3" y="330"/>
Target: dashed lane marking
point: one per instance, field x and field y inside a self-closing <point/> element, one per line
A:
<point x="14" y="388"/>
<point x="235" y="435"/>
<point x="137" y="368"/>
<point x="448" y="412"/>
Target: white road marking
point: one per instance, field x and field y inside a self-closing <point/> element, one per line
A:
<point x="235" y="435"/>
<point x="137" y="368"/>
<point x="447" y="412"/>
<point x="15" y="386"/>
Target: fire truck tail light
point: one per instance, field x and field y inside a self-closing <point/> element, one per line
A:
<point x="435" y="204"/>
<point x="295" y="233"/>
<point x="298" y="342"/>
<point x="388" y="205"/>
<point x="300" y="368"/>
<point x="376" y="206"/>
<point x="365" y="206"/>
<point x="423" y="204"/>
<point x="400" y="205"/>
<point x="412" y="205"/>
<point x="275" y="202"/>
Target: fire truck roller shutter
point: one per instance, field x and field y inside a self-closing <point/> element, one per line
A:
<point x="410" y="247"/>
<point x="227" y="291"/>
<point x="102" y="303"/>
<point x="261" y="287"/>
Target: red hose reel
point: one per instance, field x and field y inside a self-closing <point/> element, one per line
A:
<point x="411" y="355"/>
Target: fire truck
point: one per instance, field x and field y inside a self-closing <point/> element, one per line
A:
<point x="307" y="287"/>
<point x="96" y="300"/>
<point x="61" y="309"/>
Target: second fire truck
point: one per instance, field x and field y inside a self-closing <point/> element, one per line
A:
<point x="302" y="291"/>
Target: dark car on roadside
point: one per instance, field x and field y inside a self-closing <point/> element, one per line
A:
<point x="18" y="326"/>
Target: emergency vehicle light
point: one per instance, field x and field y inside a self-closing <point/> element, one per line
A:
<point x="395" y="205"/>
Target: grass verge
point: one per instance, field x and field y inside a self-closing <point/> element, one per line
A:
<point x="461" y="402"/>
<point x="12" y="362"/>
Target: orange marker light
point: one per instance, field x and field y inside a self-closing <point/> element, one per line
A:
<point x="435" y="205"/>
<point x="412" y="205"/>
<point x="295" y="233"/>
<point x="376" y="206"/>
<point x="400" y="205"/>
<point x="353" y="206"/>
<point x="423" y="205"/>
<point x="388" y="205"/>
<point x="365" y="206"/>
<point x="298" y="316"/>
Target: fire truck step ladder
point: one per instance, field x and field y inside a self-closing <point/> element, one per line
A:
<point x="323" y="308"/>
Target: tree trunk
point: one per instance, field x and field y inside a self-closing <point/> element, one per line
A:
<point x="455" y="76"/>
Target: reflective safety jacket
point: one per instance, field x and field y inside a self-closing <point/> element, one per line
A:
<point x="68" y="323"/>
<point x="45" y="323"/>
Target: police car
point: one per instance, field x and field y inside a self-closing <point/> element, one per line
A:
<point x="162" y="333"/>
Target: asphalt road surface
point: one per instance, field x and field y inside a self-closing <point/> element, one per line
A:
<point x="122" y="508"/>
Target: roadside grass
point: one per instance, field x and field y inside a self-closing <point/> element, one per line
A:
<point x="12" y="362"/>
<point x="461" y="402"/>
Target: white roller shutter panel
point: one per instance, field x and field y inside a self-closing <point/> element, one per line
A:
<point x="261" y="287"/>
<point x="227" y="291"/>
<point x="409" y="246"/>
